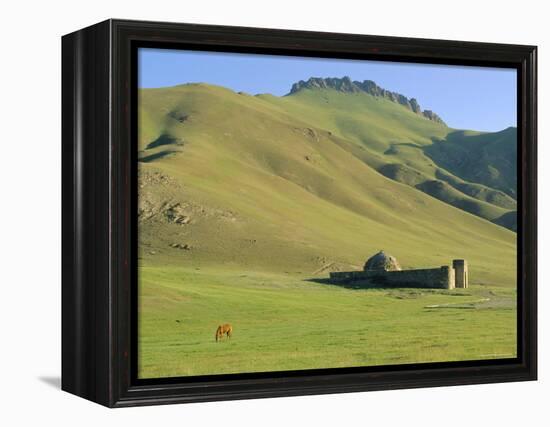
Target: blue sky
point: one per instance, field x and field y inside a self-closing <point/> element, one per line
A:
<point x="477" y="98"/>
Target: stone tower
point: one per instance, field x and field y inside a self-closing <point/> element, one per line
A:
<point x="449" y="277"/>
<point x="461" y="273"/>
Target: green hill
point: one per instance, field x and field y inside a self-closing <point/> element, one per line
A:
<point x="395" y="134"/>
<point x="246" y="202"/>
<point x="485" y="158"/>
<point x="298" y="181"/>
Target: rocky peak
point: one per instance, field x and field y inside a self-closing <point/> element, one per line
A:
<point x="345" y="84"/>
<point x="430" y="115"/>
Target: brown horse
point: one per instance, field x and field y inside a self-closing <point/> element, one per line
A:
<point x="225" y="329"/>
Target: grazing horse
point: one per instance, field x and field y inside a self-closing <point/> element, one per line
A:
<point x="222" y="330"/>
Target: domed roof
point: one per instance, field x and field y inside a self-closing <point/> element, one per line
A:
<point x="382" y="262"/>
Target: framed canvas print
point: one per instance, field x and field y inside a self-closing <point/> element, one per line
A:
<point x="257" y="213"/>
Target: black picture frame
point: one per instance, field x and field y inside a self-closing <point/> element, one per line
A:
<point x="99" y="210"/>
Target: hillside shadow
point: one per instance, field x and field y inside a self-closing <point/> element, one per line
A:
<point x="164" y="140"/>
<point x="168" y="144"/>
<point x="156" y="156"/>
<point x="394" y="147"/>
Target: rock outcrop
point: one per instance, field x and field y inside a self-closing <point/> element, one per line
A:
<point x="345" y="84"/>
<point x="430" y="115"/>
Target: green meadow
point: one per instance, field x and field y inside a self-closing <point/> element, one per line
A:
<point x="246" y="203"/>
<point x="282" y="322"/>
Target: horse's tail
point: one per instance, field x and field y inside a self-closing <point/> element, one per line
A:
<point x="218" y="333"/>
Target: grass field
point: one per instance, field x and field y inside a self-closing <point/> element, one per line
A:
<point x="243" y="199"/>
<point x="283" y="322"/>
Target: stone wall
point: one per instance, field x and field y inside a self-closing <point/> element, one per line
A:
<point x="437" y="278"/>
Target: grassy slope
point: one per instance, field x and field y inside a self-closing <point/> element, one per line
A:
<point x="486" y="158"/>
<point x="282" y="187"/>
<point x="395" y="135"/>
<point x="300" y="191"/>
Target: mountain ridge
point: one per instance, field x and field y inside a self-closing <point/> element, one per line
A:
<point x="390" y="139"/>
<point x="345" y="84"/>
<point x="291" y="184"/>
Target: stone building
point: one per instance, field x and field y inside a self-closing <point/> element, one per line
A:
<point x="384" y="270"/>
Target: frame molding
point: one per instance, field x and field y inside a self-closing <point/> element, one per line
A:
<point x="98" y="205"/>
